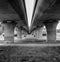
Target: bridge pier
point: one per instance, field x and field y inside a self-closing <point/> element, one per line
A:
<point x="19" y="34"/>
<point x="51" y="31"/>
<point x="39" y="35"/>
<point x="9" y="32"/>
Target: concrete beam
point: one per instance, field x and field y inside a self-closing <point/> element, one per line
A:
<point x="41" y="8"/>
<point x="19" y="7"/>
<point x="19" y="34"/>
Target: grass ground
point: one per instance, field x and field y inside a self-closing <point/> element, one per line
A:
<point x="29" y="54"/>
<point x="30" y="51"/>
<point x="36" y="42"/>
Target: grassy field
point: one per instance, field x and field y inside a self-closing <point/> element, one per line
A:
<point x="36" y="42"/>
<point x="29" y="54"/>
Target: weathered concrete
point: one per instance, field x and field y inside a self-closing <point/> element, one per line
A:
<point x="9" y="32"/>
<point x="39" y="36"/>
<point x="51" y="31"/>
<point x="1" y="29"/>
<point x="19" y="34"/>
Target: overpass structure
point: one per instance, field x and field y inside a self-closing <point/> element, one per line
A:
<point x="13" y="14"/>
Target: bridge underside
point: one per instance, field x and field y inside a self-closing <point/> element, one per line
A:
<point x="13" y="14"/>
<point x="14" y="23"/>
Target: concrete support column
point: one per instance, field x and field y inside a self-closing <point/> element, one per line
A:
<point x="19" y="34"/>
<point x="51" y="31"/>
<point x="39" y="35"/>
<point x="9" y="32"/>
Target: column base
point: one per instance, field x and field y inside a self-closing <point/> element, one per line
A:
<point x="9" y="39"/>
<point x="51" y="41"/>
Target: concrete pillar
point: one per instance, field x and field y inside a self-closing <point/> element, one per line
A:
<point x="51" y="31"/>
<point x="39" y="33"/>
<point x="19" y="34"/>
<point x="1" y="29"/>
<point x="9" y="32"/>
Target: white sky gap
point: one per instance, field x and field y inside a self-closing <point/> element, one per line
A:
<point x="29" y="8"/>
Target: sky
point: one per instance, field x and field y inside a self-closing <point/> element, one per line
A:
<point x="58" y="26"/>
<point x="29" y="8"/>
